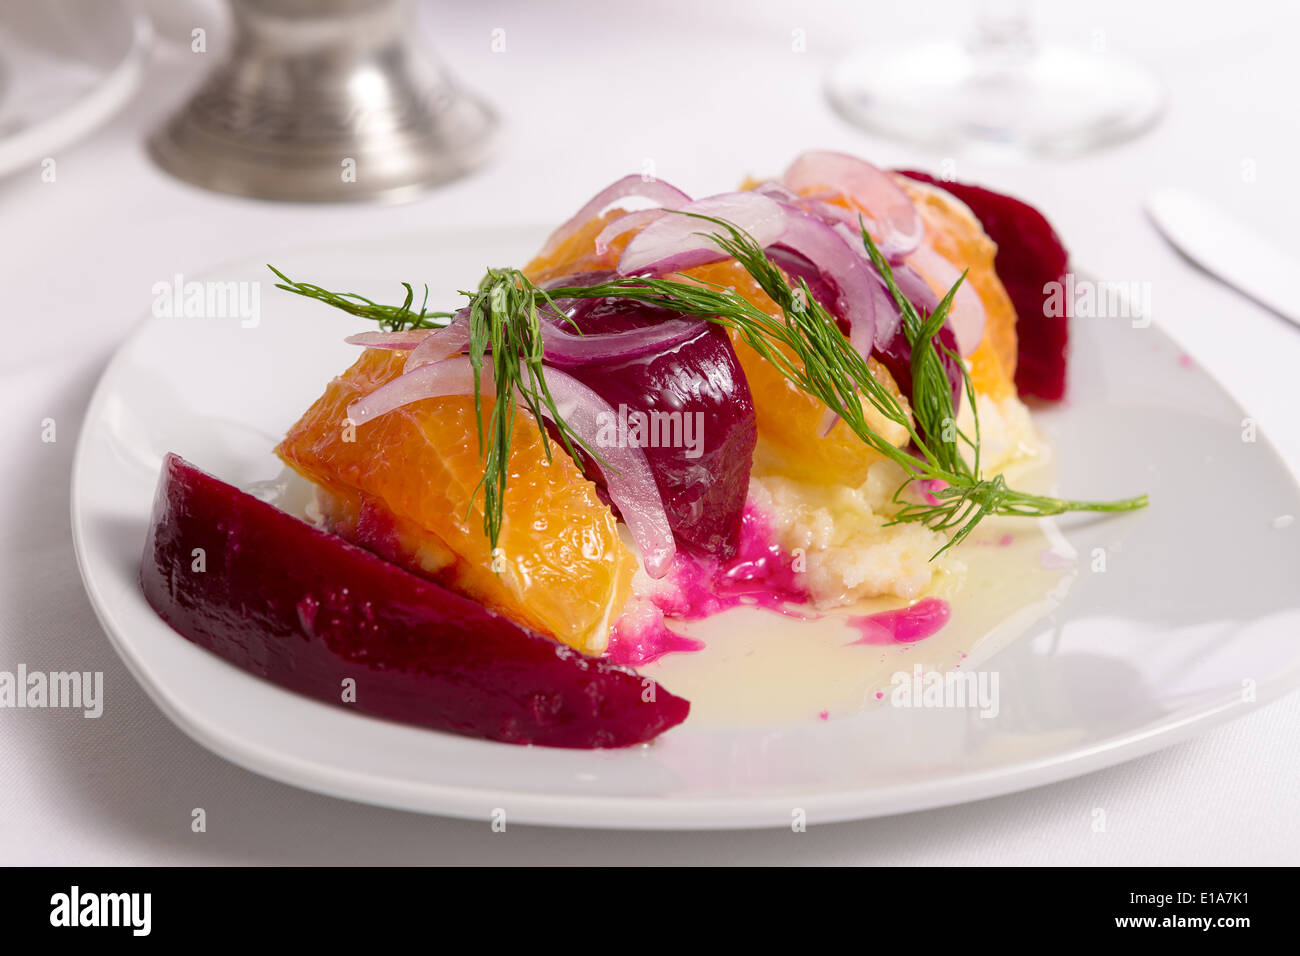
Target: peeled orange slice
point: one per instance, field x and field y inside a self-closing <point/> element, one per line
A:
<point x="406" y="486"/>
<point x="789" y="419"/>
<point x="578" y="252"/>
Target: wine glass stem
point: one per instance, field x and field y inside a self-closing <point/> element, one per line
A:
<point x="1003" y="34"/>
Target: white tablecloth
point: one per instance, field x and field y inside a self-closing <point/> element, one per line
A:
<point x="590" y="92"/>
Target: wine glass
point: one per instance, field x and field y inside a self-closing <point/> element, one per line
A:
<point x="1000" y="86"/>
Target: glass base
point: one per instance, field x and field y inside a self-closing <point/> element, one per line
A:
<point x="1053" y="100"/>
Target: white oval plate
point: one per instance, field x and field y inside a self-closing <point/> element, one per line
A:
<point x="1192" y="623"/>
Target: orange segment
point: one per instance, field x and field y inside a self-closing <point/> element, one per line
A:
<point x="578" y="252"/>
<point x="953" y="232"/>
<point x="789" y="419"/>
<point x="402" y="485"/>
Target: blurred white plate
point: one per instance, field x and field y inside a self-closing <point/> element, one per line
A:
<point x="1193" y="622"/>
<point x="66" y="66"/>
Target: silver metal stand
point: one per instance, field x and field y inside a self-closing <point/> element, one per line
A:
<point x="325" y="100"/>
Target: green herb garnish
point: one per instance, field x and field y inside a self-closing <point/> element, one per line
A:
<point x="391" y="318"/>
<point x="804" y="343"/>
<point x="505" y="326"/>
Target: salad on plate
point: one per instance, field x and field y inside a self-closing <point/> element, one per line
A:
<point x="801" y="398"/>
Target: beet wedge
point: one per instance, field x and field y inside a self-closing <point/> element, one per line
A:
<point x="307" y="610"/>
<point x="1030" y="258"/>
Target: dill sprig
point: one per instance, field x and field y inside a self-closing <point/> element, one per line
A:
<point x="391" y="318"/>
<point x="505" y="327"/>
<point x="828" y="367"/>
<point x="804" y="343"/>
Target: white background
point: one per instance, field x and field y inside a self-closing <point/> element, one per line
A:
<point x="590" y="92"/>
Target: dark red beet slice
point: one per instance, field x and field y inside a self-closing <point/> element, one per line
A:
<point x="306" y="609"/>
<point x="1029" y="257"/>
<point x="704" y="487"/>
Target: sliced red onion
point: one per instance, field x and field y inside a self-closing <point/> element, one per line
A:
<point x="919" y="292"/>
<point x="915" y="289"/>
<point x="778" y="191"/>
<point x="449" y="340"/>
<point x="841" y="266"/>
<point x="849" y="222"/>
<point x="829" y="420"/>
<point x="581" y="279"/>
<point x="628" y="478"/>
<point x="654" y="191"/>
<point x="561" y="346"/>
<point x="891" y="217"/>
<point x="887" y="315"/>
<point x="967" y="314"/>
<point x="397" y="341"/>
<point x="624" y="224"/>
<point x="450" y="377"/>
<point x="677" y="242"/>
<point x="566" y="349"/>
<point x="846" y="272"/>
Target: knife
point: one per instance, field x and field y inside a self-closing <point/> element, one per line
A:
<point x="1228" y="250"/>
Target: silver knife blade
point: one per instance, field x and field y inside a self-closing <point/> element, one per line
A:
<point x="1228" y="250"/>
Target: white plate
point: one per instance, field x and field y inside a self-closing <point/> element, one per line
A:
<point x="1193" y="622"/>
<point x="65" y="67"/>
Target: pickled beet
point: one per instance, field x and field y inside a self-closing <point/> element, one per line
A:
<point x="1030" y="255"/>
<point x="703" y="482"/>
<point x="305" y="609"/>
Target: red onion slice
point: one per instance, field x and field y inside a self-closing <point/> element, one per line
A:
<point x="628" y="478"/>
<point x="829" y="420"/>
<point x="442" y="343"/>
<point x="967" y="313"/>
<point x="778" y="191"/>
<point x="451" y="377"/>
<point x="677" y="242"/>
<point x="560" y="346"/>
<point x="966" y="317"/>
<point x="887" y="315"/>
<point x="847" y="273"/>
<point x="396" y="341"/>
<point x="891" y="218"/>
<point x="916" y="289"/>
<point x="655" y="191"/>
<point x="564" y="349"/>
<point x="624" y="224"/>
